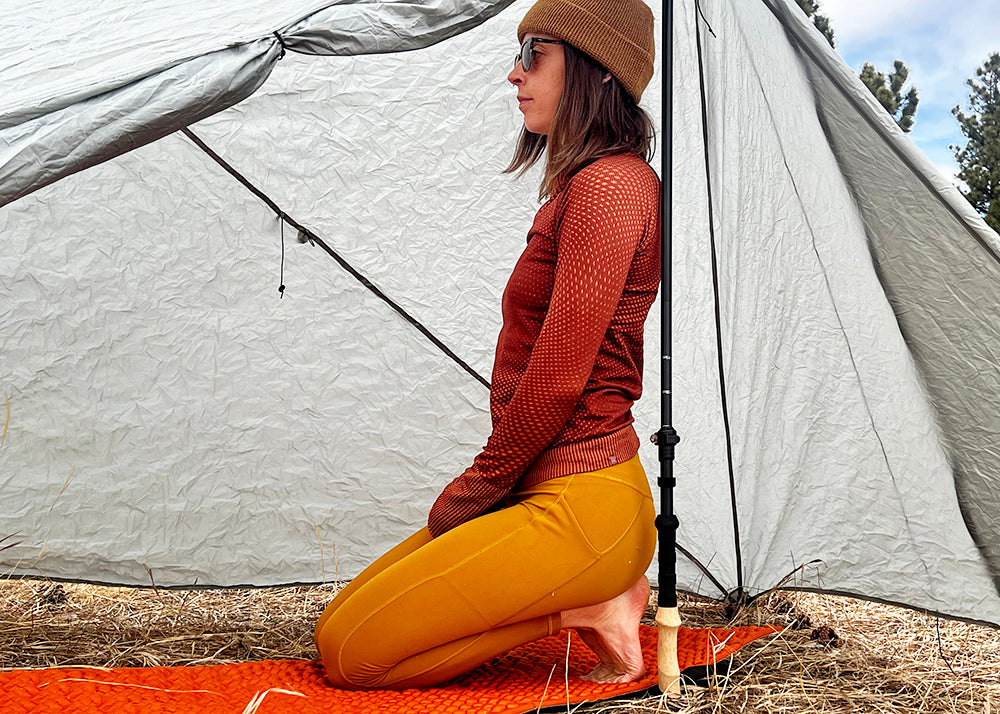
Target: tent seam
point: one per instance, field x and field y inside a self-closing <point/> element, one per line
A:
<point x="737" y="546"/>
<point x="865" y="114"/>
<point x="833" y="302"/>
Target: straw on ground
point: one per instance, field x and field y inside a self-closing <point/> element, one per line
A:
<point x="837" y="655"/>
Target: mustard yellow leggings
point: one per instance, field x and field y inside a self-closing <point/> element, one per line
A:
<point x="431" y="609"/>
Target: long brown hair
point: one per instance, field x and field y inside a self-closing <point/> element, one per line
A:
<point x="595" y="118"/>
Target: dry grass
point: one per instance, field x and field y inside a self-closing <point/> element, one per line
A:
<point x="837" y="655"/>
<point x="840" y="655"/>
<point x="45" y="624"/>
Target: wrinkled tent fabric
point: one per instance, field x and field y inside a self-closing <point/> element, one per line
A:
<point x="145" y="74"/>
<point x="316" y="430"/>
<point x="840" y="453"/>
<point x="939" y="265"/>
<point x="174" y="421"/>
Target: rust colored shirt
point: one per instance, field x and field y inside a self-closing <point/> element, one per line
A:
<point x="568" y="363"/>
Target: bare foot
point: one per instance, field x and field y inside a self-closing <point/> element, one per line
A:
<point x="611" y="629"/>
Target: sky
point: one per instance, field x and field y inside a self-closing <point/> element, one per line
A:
<point x="941" y="41"/>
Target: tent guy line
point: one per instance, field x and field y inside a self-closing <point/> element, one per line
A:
<point x="306" y="235"/>
<point x="702" y="567"/>
<point x="739" y="593"/>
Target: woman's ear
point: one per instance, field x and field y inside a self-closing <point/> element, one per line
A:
<point x="607" y="78"/>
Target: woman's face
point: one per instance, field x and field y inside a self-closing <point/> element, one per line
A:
<point x="540" y="88"/>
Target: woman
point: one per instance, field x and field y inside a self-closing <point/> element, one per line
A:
<point x="552" y="525"/>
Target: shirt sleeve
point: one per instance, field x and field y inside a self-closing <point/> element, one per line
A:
<point x="604" y="218"/>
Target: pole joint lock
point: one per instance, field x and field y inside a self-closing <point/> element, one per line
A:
<point x="666" y="523"/>
<point x="666" y="439"/>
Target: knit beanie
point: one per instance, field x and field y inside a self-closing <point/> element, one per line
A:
<point x="616" y="33"/>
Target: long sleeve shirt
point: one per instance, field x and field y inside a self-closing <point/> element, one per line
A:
<point x="568" y="362"/>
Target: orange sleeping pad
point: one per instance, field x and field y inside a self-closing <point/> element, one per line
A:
<point x="523" y="680"/>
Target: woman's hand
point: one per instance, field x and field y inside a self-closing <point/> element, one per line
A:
<point x="463" y="499"/>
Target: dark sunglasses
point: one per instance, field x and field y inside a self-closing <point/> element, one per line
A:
<point x="528" y="50"/>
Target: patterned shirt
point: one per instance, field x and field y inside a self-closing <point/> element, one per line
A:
<point x="568" y="362"/>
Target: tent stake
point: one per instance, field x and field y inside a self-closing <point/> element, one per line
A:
<point x="668" y="618"/>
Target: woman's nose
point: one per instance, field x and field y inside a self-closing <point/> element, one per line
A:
<point x="516" y="75"/>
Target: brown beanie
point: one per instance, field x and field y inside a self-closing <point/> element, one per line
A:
<point x="616" y="33"/>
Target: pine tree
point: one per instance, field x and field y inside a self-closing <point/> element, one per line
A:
<point x="979" y="159"/>
<point x="822" y="22"/>
<point x="888" y="91"/>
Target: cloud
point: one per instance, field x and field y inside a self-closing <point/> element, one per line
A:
<point x="954" y="38"/>
<point x="941" y="42"/>
<point x="863" y="20"/>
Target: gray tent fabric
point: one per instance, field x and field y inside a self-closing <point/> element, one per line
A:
<point x="166" y="405"/>
<point x="933" y="254"/>
<point x="377" y="27"/>
<point x="174" y="421"/>
<point x="99" y="128"/>
<point x="134" y="93"/>
<point x="831" y="422"/>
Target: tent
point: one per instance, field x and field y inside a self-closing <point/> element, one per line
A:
<point x="176" y="420"/>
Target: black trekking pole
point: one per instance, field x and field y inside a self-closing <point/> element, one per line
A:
<point x="668" y="618"/>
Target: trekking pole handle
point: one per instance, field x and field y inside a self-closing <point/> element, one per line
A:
<point x="668" y="621"/>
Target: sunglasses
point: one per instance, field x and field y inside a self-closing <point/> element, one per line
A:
<point x="528" y="50"/>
